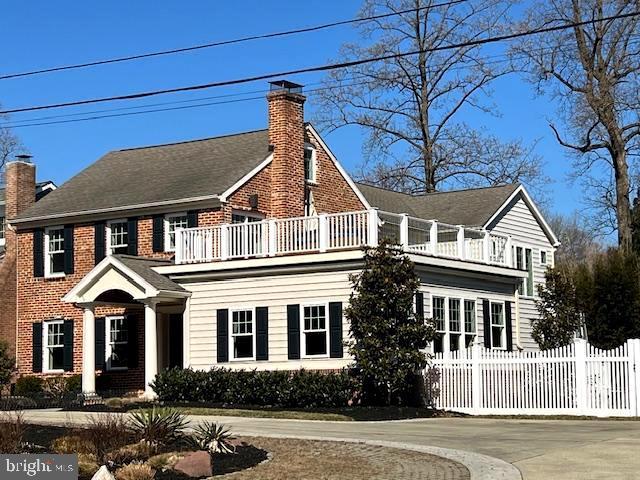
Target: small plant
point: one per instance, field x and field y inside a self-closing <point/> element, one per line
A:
<point x="106" y="432"/>
<point x="55" y="387"/>
<point x="29" y="386"/>
<point x="69" y="444"/>
<point x="135" y="471"/>
<point x="158" y="426"/>
<point x="213" y="438"/>
<point x="12" y="430"/>
<point x="130" y="453"/>
<point x="7" y="365"/>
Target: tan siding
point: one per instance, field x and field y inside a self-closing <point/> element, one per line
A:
<point x="520" y="223"/>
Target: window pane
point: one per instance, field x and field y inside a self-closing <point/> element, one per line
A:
<point x="316" y="343"/>
<point x="57" y="263"/>
<point x="496" y="336"/>
<point x="454" y="315"/>
<point x="454" y="342"/>
<point x="119" y="354"/>
<point x="438" y="344"/>
<point x="468" y="340"/>
<point x="438" y="313"/>
<point x="56" y="358"/>
<point x="173" y="224"/>
<point x="315" y="318"/>
<point x="469" y="316"/>
<point x="243" y="346"/>
<point x="119" y="237"/>
<point x="497" y="317"/>
<point x="242" y="322"/>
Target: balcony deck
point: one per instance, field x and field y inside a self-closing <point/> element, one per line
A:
<point x="340" y="231"/>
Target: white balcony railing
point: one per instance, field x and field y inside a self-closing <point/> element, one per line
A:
<point x="340" y="231"/>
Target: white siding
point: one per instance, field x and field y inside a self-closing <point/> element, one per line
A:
<point x="274" y="292"/>
<point x="521" y="224"/>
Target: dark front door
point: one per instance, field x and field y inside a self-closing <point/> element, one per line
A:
<point x="175" y="341"/>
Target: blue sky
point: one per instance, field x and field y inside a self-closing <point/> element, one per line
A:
<point x="38" y="34"/>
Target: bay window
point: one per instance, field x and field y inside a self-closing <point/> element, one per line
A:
<point x="242" y="334"/>
<point x="315" y="336"/>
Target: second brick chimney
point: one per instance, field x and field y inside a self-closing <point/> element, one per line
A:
<point x="20" y="179"/>
<point x="286" y="136"/>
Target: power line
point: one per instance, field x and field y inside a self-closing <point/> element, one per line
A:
<point x="322" y="68"/>
<point x="228" y="42"/>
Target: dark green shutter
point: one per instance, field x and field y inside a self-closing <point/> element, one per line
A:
<point x="68" y="345"/>
<point x="37" y="347"/>
<point x="38" y="254"/>
<point x="420" y="306"/>
<point x="262" y="333"/>
<point x="222" y="324"/>
<point x="158" y="233"/>
<point x="293" y="331"/>
<point x="100" y="241"/>
<point x="508" y="325"/>
<point x="100" y="336"/>
<point x="486" y="320"/>
<point x="192" y="219"/>
<point x="132" y="236"/>
<point x="132" y="339"/>
<point x="336" y="349"/>
<point x="68" y="249"/>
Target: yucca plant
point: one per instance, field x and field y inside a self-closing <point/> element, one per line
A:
<point x="158" y="426"/>
<point x="212" y="437"/>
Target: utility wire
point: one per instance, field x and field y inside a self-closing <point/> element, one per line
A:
<point x="228" y="42"/>
<point x="322" y="68"/>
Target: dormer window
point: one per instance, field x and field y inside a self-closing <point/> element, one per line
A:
<point x="309" y="163"/>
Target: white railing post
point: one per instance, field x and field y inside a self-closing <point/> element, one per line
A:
<point x="486" y="247"/>
<point x="508" y="255"/>
<point x="373" y="228"/>
<point x="323" y="233"/>
<point x="460" y="238"/>
<point x="433" y="237"/>
<point x="580" y="352"/>
<point x="634" y="374"/>
<point x="180" y="246"/>
<point x="404" y="231"/>
<point x="476" y="383"/>
<point x="273" y="237"/>
<point x="224" y="241"/>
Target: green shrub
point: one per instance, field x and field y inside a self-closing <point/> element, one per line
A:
<point x="29" y="386"/>
<point x="212" y="437"/>
<point x="74" y="384"/>
<point x="158" y="426"/>
<point x="298" y="389"/>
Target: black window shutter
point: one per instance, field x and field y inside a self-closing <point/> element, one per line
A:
<point x="132" y="236"/>
<point x="68" y="249"/>
<point x="420" y="306"/>
<point x="262" y="333"/>
<point x="100" y="241"/>
<point x="222" y="324"/>
<point x="293" y="331"/>
<point x="158" y="233"/>
<point x="486" y="319"/>
<point x="37" y="347"/>
<point x="192" y="219"/>
<point x="38" y="253"/>
<point x="335" y="330"/>
<point x="508" y="325"/>
<point x="100" y="343"/>
<point x="132" y="332"/>
<point x="68" y="345"/>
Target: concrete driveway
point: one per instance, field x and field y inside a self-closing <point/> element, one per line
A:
<point x="540" y="449"/>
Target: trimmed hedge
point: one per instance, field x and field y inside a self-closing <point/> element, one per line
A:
<point x="297" y="389"/>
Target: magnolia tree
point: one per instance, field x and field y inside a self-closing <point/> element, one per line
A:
<point x="388" y="338"/>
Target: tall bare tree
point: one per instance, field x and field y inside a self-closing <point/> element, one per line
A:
<point x="10" y="145"/>
<point x="593" y="71"/>
<point x="413" y="107"/>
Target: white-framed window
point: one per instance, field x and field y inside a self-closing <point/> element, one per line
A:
<point x="524" y="261"/>
<point x="2" y="229"/>
<point x="117" y="344"/>
<point x="315" y="334"/>
<point x="455" y="321"/>
<point x="310" y="163"/>
<point x="172" y="222"/>
<point x="543" y="257"/>
<point x="245" y="217"/>
<point x="242" y="338"/>
<point x="117" y="237"/>
<point x="53" y="346"/>
<point x="54" y="252"/>
<point x="498" y="330"/>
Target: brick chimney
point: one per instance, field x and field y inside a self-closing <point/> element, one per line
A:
<point x="286" y="136"/>
<point x="20" y="180"/>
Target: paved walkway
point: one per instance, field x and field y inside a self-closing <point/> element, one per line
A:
<point x="540" y="449"/>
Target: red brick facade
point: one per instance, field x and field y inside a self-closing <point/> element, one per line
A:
<point x="280" y="187"/>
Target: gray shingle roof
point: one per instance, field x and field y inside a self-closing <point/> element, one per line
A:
<point x="156" y="174"/>
<point x="143" y="267"/>
<point x="472" y="207"/>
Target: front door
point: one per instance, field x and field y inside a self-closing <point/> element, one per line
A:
<point x="175" y="341"/>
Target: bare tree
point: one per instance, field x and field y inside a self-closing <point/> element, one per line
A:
<point x="10" y="145"/>
<point x="411" y="107"/>
<point x="577" y="243"/>
<point x="592" y="70"/>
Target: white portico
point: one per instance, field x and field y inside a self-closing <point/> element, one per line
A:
<point x="128" y="283"/>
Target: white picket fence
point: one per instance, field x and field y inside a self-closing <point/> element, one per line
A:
<point x="578" y="379"/>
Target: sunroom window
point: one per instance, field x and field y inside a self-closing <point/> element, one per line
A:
<point x="53" y="345"/>
<point x="242" y="332"/>
<point x="315" y="330"/>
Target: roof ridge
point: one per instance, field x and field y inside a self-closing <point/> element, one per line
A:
<point x="191" y="141"/>
<point x="422" y="195"/>
<point x="387" y="189"/>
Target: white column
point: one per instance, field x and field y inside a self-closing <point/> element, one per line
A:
<point x="150" y="347"/>
<point x="88" y="351"/>
<point x="404" y="232"/>
<point x="433" y="237"/>
<point x="461" y="245"/>
<point x="373" y="228"/>
<point x="323" y="233"/>
<point x="580" y="352"/>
